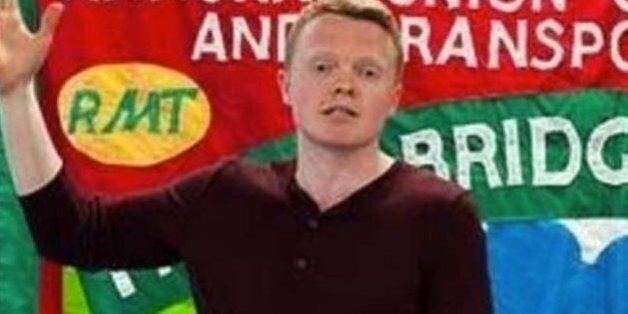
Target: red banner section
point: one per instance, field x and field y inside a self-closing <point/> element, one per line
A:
<point x="469" y="49"/>
<point x="219" y="49"/>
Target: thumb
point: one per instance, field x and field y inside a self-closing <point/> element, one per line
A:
<point x="50" y="20"/>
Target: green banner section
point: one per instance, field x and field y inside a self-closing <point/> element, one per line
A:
<point x="75" y="302"/>
<point x="273" y="151"/>
<point x="73" y="296"/>
<point x="146" y="291"/>
<point x="186" y="307"/>
<point x="533" y="156"/>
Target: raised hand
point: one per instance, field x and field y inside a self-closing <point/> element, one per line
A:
<point x="21" y="52"/>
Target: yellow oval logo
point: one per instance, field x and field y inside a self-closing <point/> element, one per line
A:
<point x="133" y="114"/>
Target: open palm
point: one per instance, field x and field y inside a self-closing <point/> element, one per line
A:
<point x="21" y="52"/>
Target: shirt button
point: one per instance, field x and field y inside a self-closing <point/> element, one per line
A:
<point x="312" y="224"/>
<point x="300" y="263"/>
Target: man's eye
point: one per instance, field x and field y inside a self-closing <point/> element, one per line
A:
<point x="370" y="73"/>
<point x="322" y="67"/>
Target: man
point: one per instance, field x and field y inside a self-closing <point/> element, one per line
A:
<point x="342" y="229"/>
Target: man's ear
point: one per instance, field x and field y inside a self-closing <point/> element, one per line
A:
<point x="283" y="81"/>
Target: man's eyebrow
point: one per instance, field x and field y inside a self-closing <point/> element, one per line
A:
<point x="320" y="55"/>
<point x="371" y="60"/>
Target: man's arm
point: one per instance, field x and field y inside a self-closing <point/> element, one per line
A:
<point x="135" y="231"/>
<point x="458" y="276"/>
<point x="29" y="150"/>
<point x="140" y="230"/>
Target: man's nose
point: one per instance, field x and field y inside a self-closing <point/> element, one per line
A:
<point x="344" y="85"/>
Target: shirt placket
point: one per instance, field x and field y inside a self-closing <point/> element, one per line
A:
<point x="304" y="262"/>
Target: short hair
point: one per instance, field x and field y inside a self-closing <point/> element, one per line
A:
<point x="366" y="10"/>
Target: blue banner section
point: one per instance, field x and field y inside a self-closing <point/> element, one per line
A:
<point x="559" y="266"/>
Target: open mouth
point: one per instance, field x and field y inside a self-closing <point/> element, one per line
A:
<point x="341" y="110"/>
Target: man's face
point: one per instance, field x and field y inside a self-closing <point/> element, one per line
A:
<point x="342" y="84"/>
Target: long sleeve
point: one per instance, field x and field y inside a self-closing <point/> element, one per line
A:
<point x="458" y="280"/>
<point x="134" y="231"/>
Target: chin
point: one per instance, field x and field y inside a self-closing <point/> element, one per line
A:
<point x="339" y="142"/>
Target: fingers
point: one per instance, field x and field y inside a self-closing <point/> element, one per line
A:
<point x="49" y="20"/>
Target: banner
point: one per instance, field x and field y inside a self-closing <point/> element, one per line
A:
<point x="522" y="102"/>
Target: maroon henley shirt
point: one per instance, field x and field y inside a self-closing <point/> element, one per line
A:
<point x="253" y="242"/>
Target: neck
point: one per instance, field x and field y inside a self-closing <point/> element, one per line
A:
<point x="331" y="175"/>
